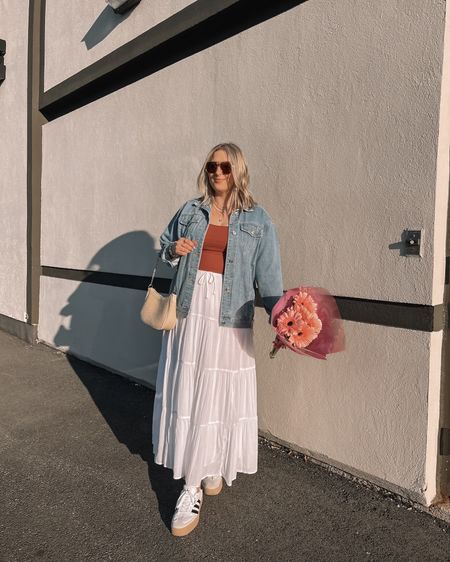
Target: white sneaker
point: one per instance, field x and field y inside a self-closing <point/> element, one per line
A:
<point x="212" y="485"/>
<point x="187" y="511"/>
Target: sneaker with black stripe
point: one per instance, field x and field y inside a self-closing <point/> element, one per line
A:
<point x="187" y="511"/>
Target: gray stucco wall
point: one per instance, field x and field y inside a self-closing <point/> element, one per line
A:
<point x="337" y="106"/>
<point x="337" y="71"/>
<point x="13" y="182"/>
<point x="80" y="37"/>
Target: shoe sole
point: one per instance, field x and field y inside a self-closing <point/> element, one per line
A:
<point x="183" y="531"/>
<point x="213" y="491"/>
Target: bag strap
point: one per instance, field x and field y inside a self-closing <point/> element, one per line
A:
<point x="154" y="270"/>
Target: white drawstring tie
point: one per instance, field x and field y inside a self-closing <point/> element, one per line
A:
<point x="208" y="278"/>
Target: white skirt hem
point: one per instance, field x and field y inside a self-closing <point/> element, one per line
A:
<point x="227" y="482"/>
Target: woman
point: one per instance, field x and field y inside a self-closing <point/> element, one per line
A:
<point x="205" y="423"/>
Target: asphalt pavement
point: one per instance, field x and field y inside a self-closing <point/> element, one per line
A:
<point x="78" y="483"/>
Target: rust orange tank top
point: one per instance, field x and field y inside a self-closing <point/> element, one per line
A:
<point x="214" y="249"/>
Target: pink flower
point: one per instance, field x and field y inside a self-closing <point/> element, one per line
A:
<point x="307" y="321"/>
<point x="304" y="301"/>
<point x="289" y="322"/>
<point x="309" y="330"/>
<point x="313" y="321"/>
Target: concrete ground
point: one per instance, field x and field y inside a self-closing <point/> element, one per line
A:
<point x="77" y="483"/>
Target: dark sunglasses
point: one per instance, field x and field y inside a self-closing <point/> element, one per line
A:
<point x="211" y="167"/>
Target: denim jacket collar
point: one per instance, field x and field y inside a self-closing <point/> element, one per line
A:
<point x="196" y="203"/>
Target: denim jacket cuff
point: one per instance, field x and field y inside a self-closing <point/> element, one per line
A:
<point x="167" y="255"/>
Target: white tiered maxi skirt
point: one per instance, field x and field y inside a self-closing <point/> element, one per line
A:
<point x="205" y="410"/>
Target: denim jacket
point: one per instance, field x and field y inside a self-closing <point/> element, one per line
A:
<point x="252" y="260"/>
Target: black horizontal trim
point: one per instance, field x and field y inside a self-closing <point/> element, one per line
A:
<point x="422" y="317"/>
<point x="122" y="280"/>
<point x="444" y="441"/>
<point x="195" y="28"/>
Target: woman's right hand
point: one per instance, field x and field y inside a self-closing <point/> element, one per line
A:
<point x="184" y="246"/>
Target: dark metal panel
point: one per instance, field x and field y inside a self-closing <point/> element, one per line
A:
<point x="34" y="158"/>
<point x="444" y="441"/>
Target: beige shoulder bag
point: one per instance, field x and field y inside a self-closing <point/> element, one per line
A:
<point x="159" y="311"/>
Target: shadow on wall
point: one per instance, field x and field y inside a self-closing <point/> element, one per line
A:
<point x="101" y="322"/>
<point x="105" y="23"/>
<point x="103" y="325"/>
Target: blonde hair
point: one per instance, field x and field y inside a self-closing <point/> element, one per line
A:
<point x="240" y="197"/>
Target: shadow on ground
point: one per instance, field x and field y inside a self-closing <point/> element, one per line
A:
<point x="101" y="322"/>
<point x="127" y="409"/>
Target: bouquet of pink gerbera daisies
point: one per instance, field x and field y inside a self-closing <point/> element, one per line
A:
<point x="307" y="320"/>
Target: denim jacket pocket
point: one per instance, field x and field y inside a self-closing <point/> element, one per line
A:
<point x="187" y="222"/>
<point x="250" y="236"/>
<point x="252" y="228"/>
